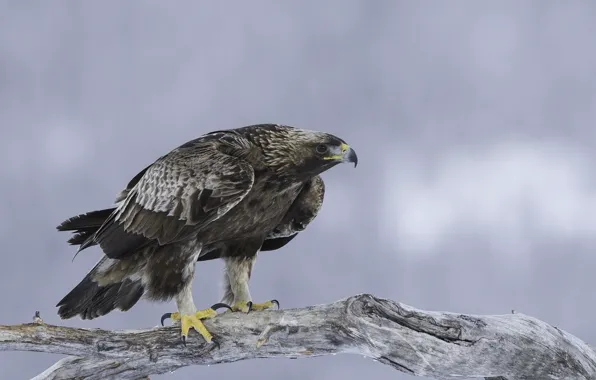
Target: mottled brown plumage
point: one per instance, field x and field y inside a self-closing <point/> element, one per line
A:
<point x="227" y="194"/>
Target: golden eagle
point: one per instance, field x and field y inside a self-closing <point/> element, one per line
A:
<point x="227" y="194"/>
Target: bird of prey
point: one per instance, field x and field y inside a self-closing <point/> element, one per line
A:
<point x="227" y="194"/>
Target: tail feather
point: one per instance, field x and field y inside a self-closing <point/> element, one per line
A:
<point x="81" y="237"/>
<point x="84" y="226"/>
<point x="93" y="219"/>
<point x="90" y="300"/>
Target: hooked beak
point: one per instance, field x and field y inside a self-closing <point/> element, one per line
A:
<point x="343" y="153"/>
<point x="349" y="154"/>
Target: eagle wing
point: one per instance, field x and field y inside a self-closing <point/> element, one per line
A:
<point x="176" y="196"/>
<point x="304" y="209"/>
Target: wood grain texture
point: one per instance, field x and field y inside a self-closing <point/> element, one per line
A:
<point x="422" y="343"/>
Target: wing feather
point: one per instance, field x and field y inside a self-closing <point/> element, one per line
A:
<point x="304" y="209"/>
<point x="179" y="194"/>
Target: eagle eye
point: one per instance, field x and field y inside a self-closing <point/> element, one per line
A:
<point x="322" y="148"/>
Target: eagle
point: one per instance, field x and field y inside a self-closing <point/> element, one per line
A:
<point x="228" y="194"/>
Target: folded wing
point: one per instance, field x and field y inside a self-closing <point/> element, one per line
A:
<point x="178" y="195"/>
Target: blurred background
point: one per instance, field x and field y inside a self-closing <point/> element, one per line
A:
<point x="474" y="123"/>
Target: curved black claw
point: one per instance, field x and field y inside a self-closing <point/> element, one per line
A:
<point x="183" y="340"/>
<point x="249" y="306"/>
<point x="221" y="305"/>
<point x="165" y="316"/>
<point x="276" y="302"/>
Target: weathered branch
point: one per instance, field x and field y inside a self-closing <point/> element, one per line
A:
<point x="433" y="344"/>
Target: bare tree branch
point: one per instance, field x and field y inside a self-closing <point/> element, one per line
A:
<point x="433" y="344"/>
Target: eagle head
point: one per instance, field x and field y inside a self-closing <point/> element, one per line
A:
<point x="297" y="152"/>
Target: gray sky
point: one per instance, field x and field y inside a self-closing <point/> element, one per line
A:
<point x="474" y="123"/>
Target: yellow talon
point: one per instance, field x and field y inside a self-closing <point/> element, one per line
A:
<point x="240" y="306"/>
<point x="246" y="307"/>
<point x="263" y="306"/>
<point x="193" y="320"/>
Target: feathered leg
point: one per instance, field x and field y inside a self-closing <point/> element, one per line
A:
<point x="236" y="290"/>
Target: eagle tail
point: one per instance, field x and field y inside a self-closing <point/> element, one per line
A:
<point x="91" y="300"/>
<point x="84" y="226"/>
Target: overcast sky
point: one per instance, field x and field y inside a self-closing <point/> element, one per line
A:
<point x="474" y="123"/>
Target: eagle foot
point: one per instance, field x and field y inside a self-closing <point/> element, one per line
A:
<point x="188" y="321"/>
<point x="247" y="307"/>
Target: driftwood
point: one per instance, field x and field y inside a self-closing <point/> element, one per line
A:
<point x="434" y="344"/>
